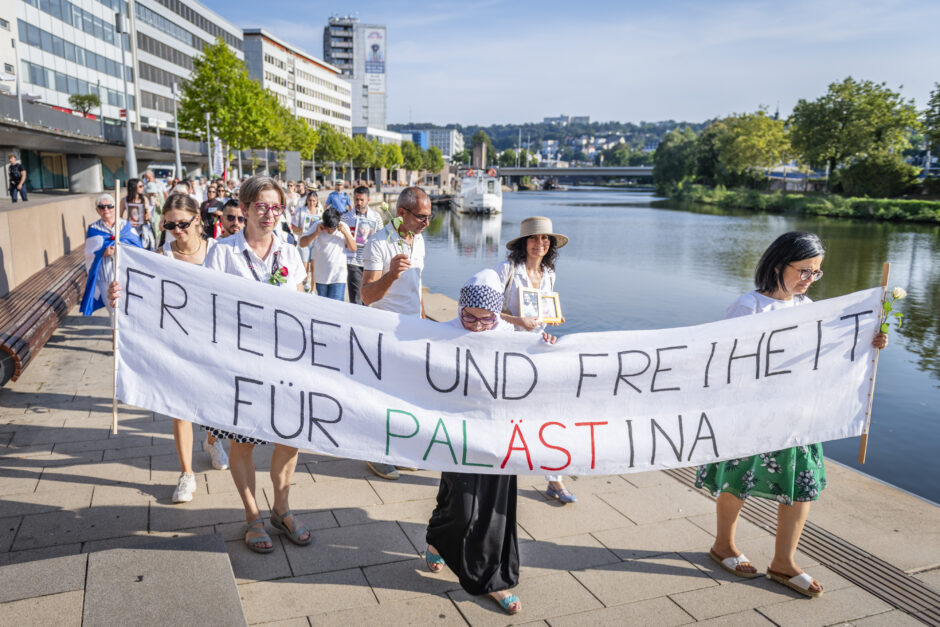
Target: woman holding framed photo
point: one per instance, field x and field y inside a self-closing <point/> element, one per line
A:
<point x="530" y="267"/>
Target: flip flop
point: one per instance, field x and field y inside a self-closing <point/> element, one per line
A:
<point x="731" y="564"/>
<point x="433" y="560"/>
<point x="506" y="602"/>
<point x="277" y="521"/>
<point x="258" y="527"/>
<point x="801" y="583"/>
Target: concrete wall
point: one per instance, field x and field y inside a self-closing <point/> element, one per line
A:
<point x="37" y="233"/>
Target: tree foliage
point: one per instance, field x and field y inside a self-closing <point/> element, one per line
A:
<point x="84" y="102"/>
<point x="852" y="119"/>
<point x="411" y="156"/>
<point x="393" y="156"/>
<point x="879" y="175"/>
<point x="432" y="159"/>
<point x="932" y="119"/>
<point x="752" y="140"/>
<point x="675" y="158"/>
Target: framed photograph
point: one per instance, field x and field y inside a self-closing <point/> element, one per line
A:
<point x="135" y="212"/>
<point x="550" y="308"/>
<point x="528" y="302"/>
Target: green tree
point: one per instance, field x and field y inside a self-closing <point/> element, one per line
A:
<point x="932" y="120"/>
<point x="363" y="152"/>
<point x="433" y="159"/>
<point x="462" y="157"/>
<point x="85" y="102"/>
<point x="752" y="141"/>
<point x="411" y="156"/>
<point x="331" y="148"/>
<point x="393" y="156"/>
<point x="507" y="158"/>
<point x="879" y="175"/>
<point x="852" y="119"/>
<point x="675" y="158"/>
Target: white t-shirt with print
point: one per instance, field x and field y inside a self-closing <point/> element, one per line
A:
<point x="329" y="256"/>
<point x="404" y="296"/>
<point x="228" y="256"/>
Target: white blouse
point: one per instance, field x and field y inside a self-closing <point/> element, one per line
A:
<point x="514" y="277"/>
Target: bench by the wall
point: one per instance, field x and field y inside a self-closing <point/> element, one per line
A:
<point x="31" y="312"/>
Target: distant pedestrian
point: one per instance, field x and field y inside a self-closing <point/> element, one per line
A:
<point x="136" y="209"/>
<point x="792" y="477"/>
<point x="338" y="199"/>
<point x="362" y="222"/>
<point x="17" y="178"/>
<point x="307" y="213"/>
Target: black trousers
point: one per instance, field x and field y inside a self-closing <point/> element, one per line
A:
<point x="473" y="528"/>
<point x="354" y="283"/>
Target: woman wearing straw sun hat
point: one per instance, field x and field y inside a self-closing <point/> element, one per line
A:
<point x="531" y="264"/>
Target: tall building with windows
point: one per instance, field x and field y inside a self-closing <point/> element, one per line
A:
<point x="360" y="52"/>
<point x="71" y="46"/>
<point x="309" y="88"/>
<point x="8" y="69"/>
<point x="449" y="140"/>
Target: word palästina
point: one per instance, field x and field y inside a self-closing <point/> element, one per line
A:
<point x="551" y="445"/>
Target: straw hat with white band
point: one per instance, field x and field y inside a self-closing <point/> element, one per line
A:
<point x="537" y="225"/>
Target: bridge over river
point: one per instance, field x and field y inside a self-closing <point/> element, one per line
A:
<point x="581" y="172"/>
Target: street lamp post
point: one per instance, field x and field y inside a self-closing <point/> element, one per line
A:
<point x="130" y="158"/>
<point x="176" y="134"/>
<point x="208" y="146"/>
<point x="18" y="69"/>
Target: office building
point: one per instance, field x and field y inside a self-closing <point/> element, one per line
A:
<point x="360" y="53"/>
<point x="449" y="140"/>
<point x="308" y="87"/>
<point x="384" y="137"/>
<point x="8" y="69"/>
<point x="71" y="46"/>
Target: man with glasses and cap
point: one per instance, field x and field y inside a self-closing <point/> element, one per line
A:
<point x="392" y="265"/>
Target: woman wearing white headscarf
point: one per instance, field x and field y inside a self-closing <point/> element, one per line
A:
<point x="473" y="527"/>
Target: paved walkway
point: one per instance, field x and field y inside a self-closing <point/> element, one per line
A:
<point x="633" y="550"/>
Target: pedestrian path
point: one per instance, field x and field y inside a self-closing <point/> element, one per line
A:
<point x="633" y="550"/>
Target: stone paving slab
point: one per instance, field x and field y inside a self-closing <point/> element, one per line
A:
<point x="62" y="610"/>
<point x="296" y="597"/>
<point x="346" y="547"/>
<point x="184" y="581"/>
<point x="408" y="579"/>
<point x="832" y="607"/>
<point x="660" y="611"/>
<point x="426" y="610"/>
<point x="652" y="539"/>
<point x="637" y="580"/>
<point x="42" y="578"/>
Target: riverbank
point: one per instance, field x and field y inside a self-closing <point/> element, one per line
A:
<point x="831" y="205"/>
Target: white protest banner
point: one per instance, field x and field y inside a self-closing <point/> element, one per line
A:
<point x="355" y="382"/>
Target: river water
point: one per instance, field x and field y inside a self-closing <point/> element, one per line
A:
<point x="636" y="261"/>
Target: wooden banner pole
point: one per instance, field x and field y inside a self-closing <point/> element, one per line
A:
<point x="114" y="316"/>
<point x="863" y="445"/>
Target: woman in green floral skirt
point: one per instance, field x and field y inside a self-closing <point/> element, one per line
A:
<point x="793" y="477"/>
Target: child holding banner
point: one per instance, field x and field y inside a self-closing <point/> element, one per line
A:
<point x="793" y="477"/>
<point x="473" y="528"/>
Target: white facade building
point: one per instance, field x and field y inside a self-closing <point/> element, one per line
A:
<point x="8" y="69"/>
<point x="360" y="51"/>
<point x="70" y="46"/>
<point x="309" y="88"/>
<point x="384" y="137"/>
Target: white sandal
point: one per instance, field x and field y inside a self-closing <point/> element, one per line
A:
<point x="801" y="583"/>
<point x="731" y="564"/>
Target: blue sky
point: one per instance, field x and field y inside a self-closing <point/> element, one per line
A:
<point x="510" y="61"/>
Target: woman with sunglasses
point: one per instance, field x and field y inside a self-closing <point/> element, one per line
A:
<point x="793" y="477"/>
<point x="181" y="218"/>
<point x="531" y="264"/>
<point x="473" y="527"/>
<point x="211" y="212"/>
<point x="256" y="254"/>
<point x="99" y="254"/>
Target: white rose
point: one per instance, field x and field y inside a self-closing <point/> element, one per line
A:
<point x="898" y="293"/>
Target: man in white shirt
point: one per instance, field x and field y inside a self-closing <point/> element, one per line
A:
<point x="363" y="222"/>
<point x="392" y="265"/>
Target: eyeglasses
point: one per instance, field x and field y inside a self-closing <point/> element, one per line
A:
<point x="230" y="218"/>
<point x="486" y="321"/>
<point x="103" y="207"/>
<point x="806" y="275"/>
<point x="262" y="208"/>
<point x="172" y="226"/>
<point x="425" y="219"/>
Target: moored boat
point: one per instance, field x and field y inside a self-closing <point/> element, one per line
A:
<point x="480" y="192"/>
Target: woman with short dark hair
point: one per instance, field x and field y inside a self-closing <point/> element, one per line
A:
<point x="793" y="477"/>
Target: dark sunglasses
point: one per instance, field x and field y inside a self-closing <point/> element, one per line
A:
<point x="170" y="226"/>
<point x="103" y="207"/>
<point x="241" y="219"/>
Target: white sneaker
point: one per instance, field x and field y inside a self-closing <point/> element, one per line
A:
<point x="185" y="488"/>
<point x="217" y="453"/>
